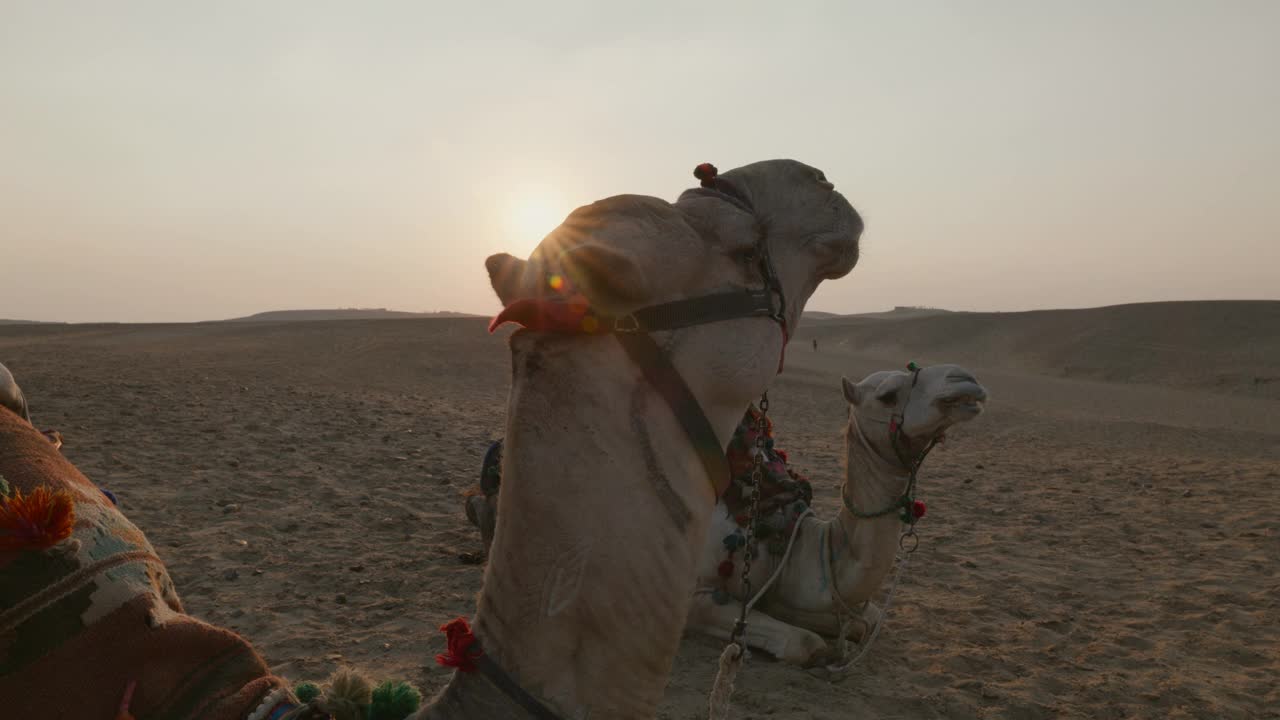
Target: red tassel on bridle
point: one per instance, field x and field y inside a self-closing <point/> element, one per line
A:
<point x="458" y="641"/>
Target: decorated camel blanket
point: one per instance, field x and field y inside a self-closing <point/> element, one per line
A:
<point x="91" y="627"/>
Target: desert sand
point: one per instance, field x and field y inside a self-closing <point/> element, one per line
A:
<point x="1102" y="543"/>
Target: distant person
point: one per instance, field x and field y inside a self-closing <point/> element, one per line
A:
<point x="815" y="344"/>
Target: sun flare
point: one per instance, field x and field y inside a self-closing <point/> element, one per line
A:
<point x="532" y="214"/>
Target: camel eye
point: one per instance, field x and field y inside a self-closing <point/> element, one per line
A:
<point x="889" y="398"/>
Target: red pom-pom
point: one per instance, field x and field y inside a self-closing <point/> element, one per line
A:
<point x="918" y="509"/>
<point x="782" y="454"/>
<point x="893" y="426"/>
<point x="742" y="520"/>
<point x="726" y="569"/>
<point x="458" y="642"/>
<point x="706" y="172"/>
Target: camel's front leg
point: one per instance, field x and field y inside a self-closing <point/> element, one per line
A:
<point x="783" y="641"/>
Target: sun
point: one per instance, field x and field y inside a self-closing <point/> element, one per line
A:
<point x="531" y="214"/>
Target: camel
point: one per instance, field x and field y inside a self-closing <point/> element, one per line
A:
<point x="833" y="568"/>
<point x="591" y="572"/>
<point x="648" y="325"/>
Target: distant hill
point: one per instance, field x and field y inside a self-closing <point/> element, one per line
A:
<point x="343" y="314"/>
<point x="1224" y="346"/>
<point x="4" y="321"/>
<point x="895" y="314"/>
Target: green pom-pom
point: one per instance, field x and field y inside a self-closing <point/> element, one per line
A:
<point x="306" y="691"/>
<point x="912" y="366"/>
<point x="394" y="701"/>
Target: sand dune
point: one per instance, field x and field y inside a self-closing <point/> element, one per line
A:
<point x="1227" y="346"/>
<point x="1094" y="549"/>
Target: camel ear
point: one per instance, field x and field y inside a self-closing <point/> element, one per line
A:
<point x="852" y="392"/>
<point x="506" y="275"/>
<point x="607" y="276"/>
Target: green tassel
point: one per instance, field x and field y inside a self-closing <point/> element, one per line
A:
<point x="4" y="487"/>
<point x="306" y="691"/>
<point x="912" y="366"/>
<point x="394" y="701"/>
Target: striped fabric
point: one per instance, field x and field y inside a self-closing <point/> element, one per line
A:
<point x="82" y="619"/>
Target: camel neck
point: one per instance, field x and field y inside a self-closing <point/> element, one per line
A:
<point x="872" y="481"/>
<point x="594" y="468"/>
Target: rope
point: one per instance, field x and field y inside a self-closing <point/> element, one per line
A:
<point x="795" y="530"/>
<point x="722" y="688"/>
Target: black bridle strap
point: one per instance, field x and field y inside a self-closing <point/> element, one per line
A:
<point x="665" y="379"/>
<point x="512" y="689"/>
<point x="697" y="311"/>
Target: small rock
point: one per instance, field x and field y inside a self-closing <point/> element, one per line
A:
<point x="969" y="564"/>
<point x="386" y="646"/>
<point x="968" y="480"/>
<point x="230" y="508"/>
<point x="257" y="571"/>
<point x="356" y="568"/>
<point x="340" y="599"/>
<point x="1186" y="493"/>
<point x="233" y="463"/>
<point x="401" y="458"/>
<point x="997" y="511"/>
<point x="237" y="613"/>
<point x="979" y="466"/>
<point x="231" y="574"/>
<point x="242" y="543"/>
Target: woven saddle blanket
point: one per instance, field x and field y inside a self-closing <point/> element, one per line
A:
<point x="87" y="609"/>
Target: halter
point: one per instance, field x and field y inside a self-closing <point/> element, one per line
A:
<point x="633" y="331"/>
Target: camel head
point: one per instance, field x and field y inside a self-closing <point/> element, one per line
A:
<point x="811" y="230"/>
<point x="625" y="250"/>
<point x="923" y="403"/>
<point x="628" y="252"/>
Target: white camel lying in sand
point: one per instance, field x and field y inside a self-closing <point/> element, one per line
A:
<point x="836" y="566"/>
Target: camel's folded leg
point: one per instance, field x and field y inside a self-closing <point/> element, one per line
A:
<point x="783" y="641"/>
<point x="828" y="624"/>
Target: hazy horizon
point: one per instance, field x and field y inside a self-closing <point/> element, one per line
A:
<point x="166" y="163"/>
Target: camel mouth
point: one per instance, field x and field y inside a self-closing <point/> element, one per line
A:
<point x="970" y="403"/>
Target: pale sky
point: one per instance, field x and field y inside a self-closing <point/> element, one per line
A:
<point x="173" y="161"/>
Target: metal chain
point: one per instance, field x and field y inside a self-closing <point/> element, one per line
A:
<point x="757" y="479"/>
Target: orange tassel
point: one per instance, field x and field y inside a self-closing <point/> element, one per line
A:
<point x="36" y="521"/>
